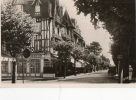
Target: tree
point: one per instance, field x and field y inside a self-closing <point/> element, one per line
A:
<point x="85" y="53"/>
<point x="95" y="48"/>
<point x="90" y="58"/>
<point x="77" y="55"/>
<point x="118" y="18"/>
<point x="95" y="60"/>
<point x="16" y="31"/>
<point x="64" y="53"/>
<point x="105" y="62"/>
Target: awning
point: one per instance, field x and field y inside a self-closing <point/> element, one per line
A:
<point x="21" y="2"/>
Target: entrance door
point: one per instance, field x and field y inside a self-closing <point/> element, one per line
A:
<point x="48" y="67"/>
<point x="35" y="67"/>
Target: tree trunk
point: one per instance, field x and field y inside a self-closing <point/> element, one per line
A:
<point x="94" y="68"/>
<point x="65" y="65"/>
<point x="121" y="76"/>
<point x="75" y="67"/>
<point x="0" y="68"/>
<point x="14" y="72"/>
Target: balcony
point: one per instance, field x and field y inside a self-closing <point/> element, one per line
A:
<point x="78" y="35"/>
<point x="40" y="46"/>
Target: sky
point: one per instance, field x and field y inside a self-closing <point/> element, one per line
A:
<point x="87" y="29"/>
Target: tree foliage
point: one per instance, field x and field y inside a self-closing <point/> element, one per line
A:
<point x="16" y="29"/>
<point x="95" y="48"/>
<point x="92" y="59"/>
<point x="64" y="50"/>
<point x="118" y="17"/>
<point x="91" y="55"/>
<point x="105" y="61"/>
<point x="77" y="53"/>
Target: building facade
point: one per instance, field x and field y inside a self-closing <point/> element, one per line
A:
<point x="52" y="25"/>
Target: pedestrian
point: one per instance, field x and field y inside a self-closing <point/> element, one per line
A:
<point x="130" y="73"/>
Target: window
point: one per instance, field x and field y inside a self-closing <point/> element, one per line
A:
<point x="3" y="47"/>
<point x="20" y="68"/>
<point x="46" y="43"/>
<point x="36" y="27"/>
<point x="4" y="67"/>
<point x="37" y="9"/>
<point x="47" y="63"/>
<point x="19" y="7"/>
<point x="40" y="44"/>
<point x="48" y="67"/>
<point x="35" y="66"/>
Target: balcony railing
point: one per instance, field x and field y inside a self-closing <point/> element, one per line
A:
<point x="40" y="46"/>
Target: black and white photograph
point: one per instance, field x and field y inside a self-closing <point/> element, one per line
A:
<point x="67" y="43"/>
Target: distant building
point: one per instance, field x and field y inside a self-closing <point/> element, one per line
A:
<point x="58" y="26"/>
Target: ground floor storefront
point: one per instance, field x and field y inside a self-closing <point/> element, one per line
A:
<point x="35" y="66"/>
<point x="39" y="65"/>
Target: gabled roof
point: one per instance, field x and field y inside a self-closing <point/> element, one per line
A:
<point x="47" y="6"/>
<point x="34" y="2"/>
<point x="67" y="21"/>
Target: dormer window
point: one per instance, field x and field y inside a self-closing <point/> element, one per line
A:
<point x="37" y="9"/>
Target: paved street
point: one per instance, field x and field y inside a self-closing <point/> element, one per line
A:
<point x="88" y="78"/>
<point x="99" y="79"/>
<point x="95" y="77"/>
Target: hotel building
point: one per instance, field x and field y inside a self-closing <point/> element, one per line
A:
<point x="53" y="24"/>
